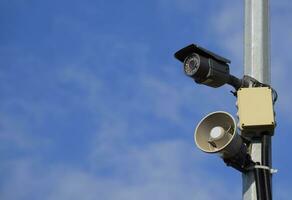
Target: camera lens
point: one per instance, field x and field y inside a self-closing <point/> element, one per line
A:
<point x="191" y="64"/>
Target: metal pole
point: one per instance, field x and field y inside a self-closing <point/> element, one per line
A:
<point x="257" y="65"/>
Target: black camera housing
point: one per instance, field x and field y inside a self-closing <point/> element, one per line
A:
<point x="210" y="69"/>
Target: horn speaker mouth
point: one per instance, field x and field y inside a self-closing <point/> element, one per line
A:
<point x="215" y="132"/>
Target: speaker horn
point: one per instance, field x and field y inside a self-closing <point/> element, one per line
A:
<point x="216" y="133"/>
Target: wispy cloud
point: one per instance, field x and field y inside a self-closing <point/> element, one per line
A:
<point x="157" y="170"/>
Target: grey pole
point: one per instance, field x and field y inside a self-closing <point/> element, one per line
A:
<point x="257" y="65"/>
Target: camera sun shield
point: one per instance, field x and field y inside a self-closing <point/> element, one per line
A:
<point x="193" y="48"/>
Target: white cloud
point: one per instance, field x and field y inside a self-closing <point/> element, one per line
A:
<point x="158" y="170"/>
<point x="227" y="28"/>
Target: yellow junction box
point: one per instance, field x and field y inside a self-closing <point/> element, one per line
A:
<point x="255" y="109"/>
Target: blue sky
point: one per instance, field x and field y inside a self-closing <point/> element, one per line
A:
<point x="94" y="106"/>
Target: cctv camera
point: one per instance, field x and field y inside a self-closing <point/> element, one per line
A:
<point x="206" y="67"/>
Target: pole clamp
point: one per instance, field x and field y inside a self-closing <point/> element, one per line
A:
<point x="272" y="171"/>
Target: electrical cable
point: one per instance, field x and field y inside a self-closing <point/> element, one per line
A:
<point x="258" y="176"/>
<point x="262" y="173"/>
<point x="266" y="160"/>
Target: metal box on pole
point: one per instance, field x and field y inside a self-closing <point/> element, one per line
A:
<point x="255" y="111"/>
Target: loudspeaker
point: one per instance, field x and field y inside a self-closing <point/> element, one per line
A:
<point x="216" y="133"/>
